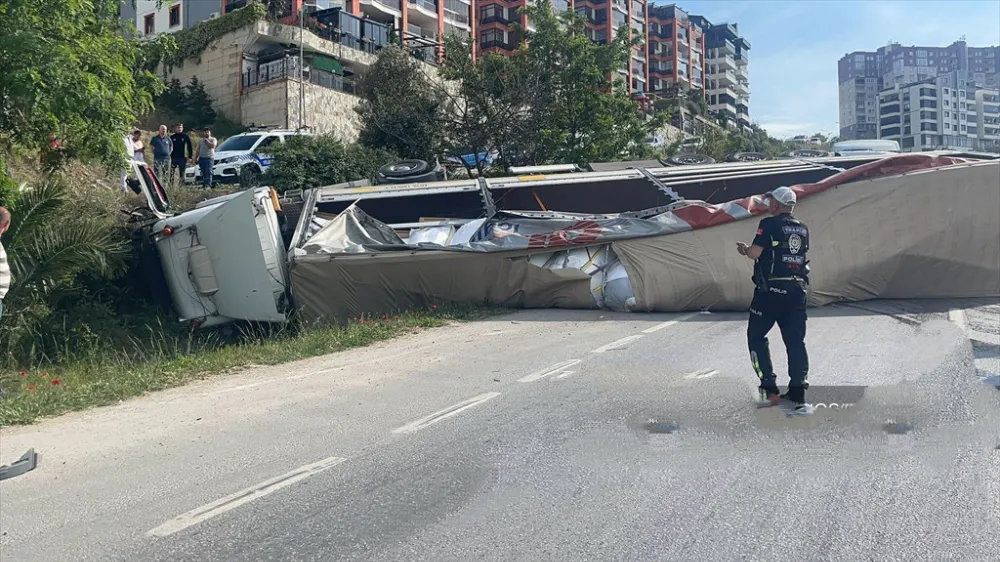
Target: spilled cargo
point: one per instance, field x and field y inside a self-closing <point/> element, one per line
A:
<point x="629" y="239"/>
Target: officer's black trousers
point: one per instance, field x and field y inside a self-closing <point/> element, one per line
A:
<point x="786" y="306"/>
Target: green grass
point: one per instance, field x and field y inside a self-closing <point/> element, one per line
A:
<point x="104" y="378"/>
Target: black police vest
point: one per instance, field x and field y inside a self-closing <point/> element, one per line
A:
<point x="786" y="259"/>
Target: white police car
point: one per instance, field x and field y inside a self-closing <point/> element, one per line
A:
<point x="242" y="158"/>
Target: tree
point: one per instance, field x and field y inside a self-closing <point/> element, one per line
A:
<point x="50" y="244"/>
<point x="399" y="108"/>
<point x="579" y="114"/>
<point x="199" y="105"/>
<point x="305" y="161"/>
<point x="69" y="70"/>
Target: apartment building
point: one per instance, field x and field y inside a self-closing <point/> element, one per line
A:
<point x="948" y="111"/>
<point x="863" y="75"/>
<point x="676" y="46"/>
<point x="727" y="80"/>
<point x="496" y="19"/>
<point x="421" y="24"/>
<point x="169" y="17"/>
<point x="987" y="120"/>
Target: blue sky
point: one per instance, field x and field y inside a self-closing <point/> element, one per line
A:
<point x="795" y="46"/>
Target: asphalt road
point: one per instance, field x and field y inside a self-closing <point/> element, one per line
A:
<point x="543" y="435"/>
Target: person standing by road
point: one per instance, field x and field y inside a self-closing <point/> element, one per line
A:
<point x="5" y="276"/>
<point x="138" y="147"/>
<point x="163" y="148"/>
<point x="781" y="279"/>
<point x="182" y="151"/>
<point x="206" y="156"/>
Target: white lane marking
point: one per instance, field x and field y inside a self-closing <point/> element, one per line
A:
<point x="957" y="316"/>
<point x="701" y="374"/>
<point x="666" y="324"/>
<point x="550" y="370"/>
<point x="992" y="339"/>
<point x="319" y="372"/>
<point x="445" y="413"/>
<point x="617" y="344"/>
<point x="564" y="374"/>
<point x="230" y="502"/>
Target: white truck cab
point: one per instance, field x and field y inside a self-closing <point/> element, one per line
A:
<point x="865" y="146"/>
<point x="222" y="261"/>
<point x="242" y="158"/>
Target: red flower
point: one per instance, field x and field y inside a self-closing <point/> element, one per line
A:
<point x="31" y="387"/>
<point x="55" y="381"/>
<point x="24" y="373"/>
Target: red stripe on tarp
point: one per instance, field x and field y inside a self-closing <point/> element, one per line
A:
<point x="700" y="215"/>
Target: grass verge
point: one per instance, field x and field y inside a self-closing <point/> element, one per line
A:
<point x="103" y="379"/>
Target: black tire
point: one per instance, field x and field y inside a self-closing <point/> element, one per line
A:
<point x="404" y="169"/>
<point x="806" y="153"/>
<point x="249" y="176"/>
<point x="432" y="175"/>
<point x="690" y="159"/>
<point x="747" y="157"/>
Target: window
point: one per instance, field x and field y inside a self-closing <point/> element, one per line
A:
<point x="149" y="24"/>
<point x="963" y="128"/>
<point x="892" y="131"/>
<point x="262" y="147"/>
<point x="928" y="103"/>
<point x="175" y="15"/>
<point x="947" y="114"/>
<point x="947" y="127"/>
<point x="928" y="127"/>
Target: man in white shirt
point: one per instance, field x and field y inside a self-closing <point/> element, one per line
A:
<point x="5" y="277"/>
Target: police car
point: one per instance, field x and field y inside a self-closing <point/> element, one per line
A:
<point x="242" y="158"/>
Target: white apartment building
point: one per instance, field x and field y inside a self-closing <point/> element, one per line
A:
<point x="170" y="17"/>
<point x="938" y="113"/>
<point x="987" y="121"/>
<point x="862" y="75"/>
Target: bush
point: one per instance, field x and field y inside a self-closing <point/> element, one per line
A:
<point x="304" y="162"/>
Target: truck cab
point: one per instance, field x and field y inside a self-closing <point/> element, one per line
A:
<point x="222" y="261"/>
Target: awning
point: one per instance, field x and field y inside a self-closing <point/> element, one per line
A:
<point x="321" y="62"/>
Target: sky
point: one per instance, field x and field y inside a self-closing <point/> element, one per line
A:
<point x="795" y="46"/>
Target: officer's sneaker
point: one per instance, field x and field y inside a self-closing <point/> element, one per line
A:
<point x="801" y="410"/>
<point x="768" y="398"/>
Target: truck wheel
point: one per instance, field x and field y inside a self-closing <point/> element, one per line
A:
<point x="747" y="157"/>
<point x="805" y="153"/>
<point x="689" y="159"/>
<point x="250" y="176"/>
<point x="404" y="169"/>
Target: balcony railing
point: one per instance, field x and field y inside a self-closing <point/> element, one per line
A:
<point x="456" y="17"/>
<point x="428" y="5"/>
<point x="496" y="44"/>
<point x="288" y="68"/>
<point x="396" y="5"/>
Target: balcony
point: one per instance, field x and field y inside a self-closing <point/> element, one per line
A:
<point x="723" y="61"/>
<point x="741" y="60"/>
<point x="461" y="20"/>
<point x="288" y="68"/>
<point x="496" y="44"/>
<point x="391" y="8"/>
<point x="727" y="48"/>
<point x="726" y="77"/>
<point x="743" y="88"/>
<point x="422" y="11"/>
<point x="741" y="74"/>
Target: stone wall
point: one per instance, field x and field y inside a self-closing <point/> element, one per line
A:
<point x="219" y="68"/>
<point x="326" y="110"/>
<point x="266" y="104"/>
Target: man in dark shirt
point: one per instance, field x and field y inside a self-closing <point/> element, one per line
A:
<point x="781" y="279"/>
<point x="182" y="152"/>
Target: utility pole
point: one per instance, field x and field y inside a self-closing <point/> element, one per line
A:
<point x="302" y="61"/>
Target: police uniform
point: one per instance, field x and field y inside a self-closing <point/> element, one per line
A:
<point x="781" y="279"/>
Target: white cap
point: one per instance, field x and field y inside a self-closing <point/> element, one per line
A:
<point x="783" y="195"/>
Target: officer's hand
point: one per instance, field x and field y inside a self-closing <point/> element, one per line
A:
<point x="742" y="248"/>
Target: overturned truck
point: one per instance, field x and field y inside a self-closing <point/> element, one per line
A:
<point x="626" y="237"/>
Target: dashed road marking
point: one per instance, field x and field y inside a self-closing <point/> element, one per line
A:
<point x="957" y="316"/>
<point x="446" y="413"/>
<point x="701" y="374"/>
<point x="667" y="324"/>
<point x="550" y="370"/>
<point x="232" y="501"/>
<point x="617" y="344"/>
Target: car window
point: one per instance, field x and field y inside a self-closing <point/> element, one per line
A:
<point x="239" y="142"/>
<point x="268" y="141"/>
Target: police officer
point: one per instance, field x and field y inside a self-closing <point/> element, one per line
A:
<point x="781" y="279"/>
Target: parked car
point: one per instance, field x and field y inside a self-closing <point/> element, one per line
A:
<point x="242" y="158"/>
